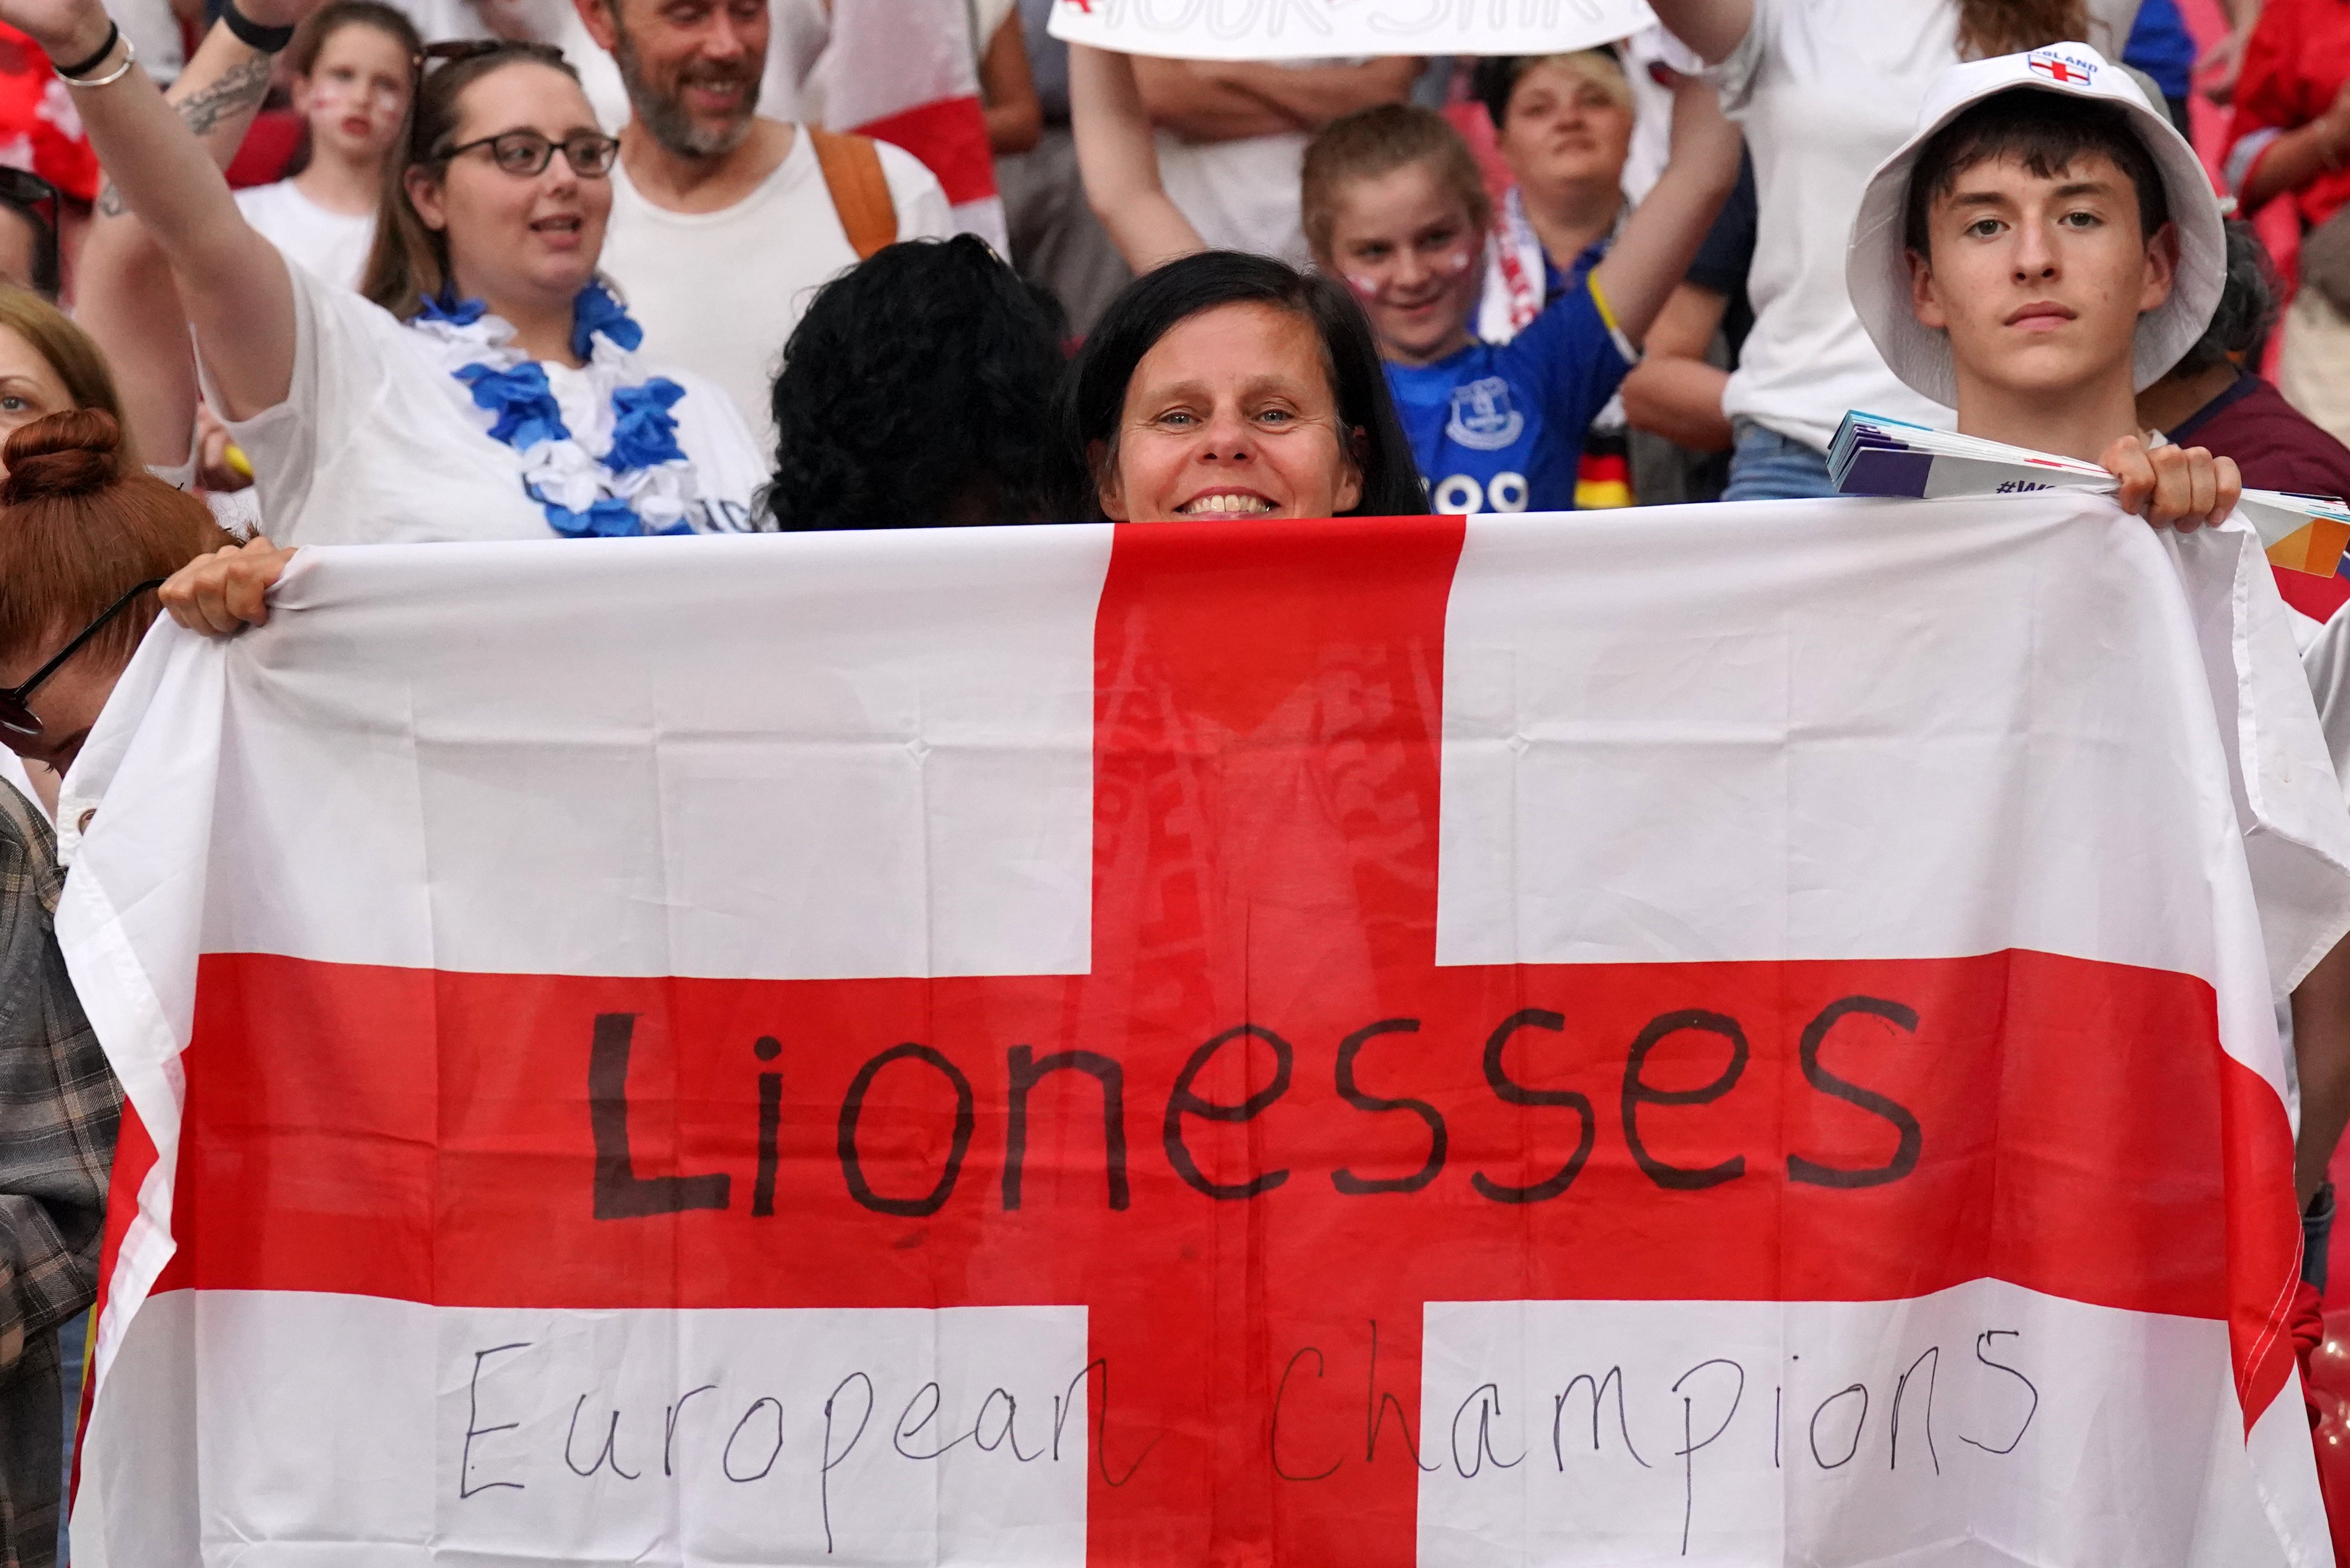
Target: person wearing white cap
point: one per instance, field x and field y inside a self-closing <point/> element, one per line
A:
<point x="1824" y="89"/>
<point x="2044" y="245"/>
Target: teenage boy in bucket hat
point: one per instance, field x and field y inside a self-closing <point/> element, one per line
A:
<point x="2044" y="246"/>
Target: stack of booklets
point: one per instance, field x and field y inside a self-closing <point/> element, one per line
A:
<point x="1873" y="455"/>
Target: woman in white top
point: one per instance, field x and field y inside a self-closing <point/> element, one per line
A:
<point x="1827" y="90"/>
<point x="353" y="67"/>
<point x="487" y="386"/>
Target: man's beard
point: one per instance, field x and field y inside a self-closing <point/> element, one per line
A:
<point x="665" y="118"/>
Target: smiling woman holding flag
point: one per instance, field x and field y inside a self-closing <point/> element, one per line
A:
<point x="489" y="384"/>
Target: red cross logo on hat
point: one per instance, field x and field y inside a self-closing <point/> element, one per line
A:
<point x="2060" y="71"/>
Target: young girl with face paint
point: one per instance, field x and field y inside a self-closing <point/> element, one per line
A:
<point x="1394" y="206"/>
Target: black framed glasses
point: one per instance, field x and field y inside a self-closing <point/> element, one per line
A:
<point x="34" y="197"/>
<point x="19" y="721"/>
<point x="526" y="153"/>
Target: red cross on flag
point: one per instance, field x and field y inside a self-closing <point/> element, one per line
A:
<point x="1669" y="1036"/>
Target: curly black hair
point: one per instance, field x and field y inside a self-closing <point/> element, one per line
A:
<point x="918" y="391"/>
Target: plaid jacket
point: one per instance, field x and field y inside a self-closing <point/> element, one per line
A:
<point x="59" y="1104"/>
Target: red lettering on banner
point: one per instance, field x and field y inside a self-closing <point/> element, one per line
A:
<point x="1266" y="1124"/>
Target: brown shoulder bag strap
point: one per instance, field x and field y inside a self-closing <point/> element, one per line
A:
<point x="860" y="193"/>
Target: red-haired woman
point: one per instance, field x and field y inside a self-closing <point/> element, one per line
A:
<point x="83" y="547"/>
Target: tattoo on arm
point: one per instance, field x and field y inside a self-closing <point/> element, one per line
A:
<point x="239" y="88"/>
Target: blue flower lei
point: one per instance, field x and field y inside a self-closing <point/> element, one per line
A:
<point x="527" y="416"/>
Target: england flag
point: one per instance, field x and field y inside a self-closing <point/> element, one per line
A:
<point x="1735" y="1036"/>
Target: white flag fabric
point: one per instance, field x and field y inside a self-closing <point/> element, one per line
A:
<point x="1314" y="30"/>
<point x="1739" y="1035"/>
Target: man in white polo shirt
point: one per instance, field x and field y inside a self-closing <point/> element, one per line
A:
<point x="724" y="221"/>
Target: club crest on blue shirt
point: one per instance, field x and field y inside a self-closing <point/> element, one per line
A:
<point x="1481" y="416"/>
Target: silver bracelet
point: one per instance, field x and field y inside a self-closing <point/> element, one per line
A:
<point x="129" y="59"/>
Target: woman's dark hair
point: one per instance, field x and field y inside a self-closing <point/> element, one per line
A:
<point x="36" y="202"/>
<point x="409" y="263"/>
<point x="918" y="391"/>
<point x="1094" y="398"/>
<point x="2247" y="308"/>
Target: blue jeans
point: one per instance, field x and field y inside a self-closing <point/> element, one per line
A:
<point x="72" y="1340"/>
<point x="2317" y="1236"/>
<point x="1767" y="466"/>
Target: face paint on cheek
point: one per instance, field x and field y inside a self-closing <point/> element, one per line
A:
<point x="1448" y="265"/>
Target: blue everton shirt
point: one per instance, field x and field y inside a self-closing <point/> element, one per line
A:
<point x="1499" y="427"/>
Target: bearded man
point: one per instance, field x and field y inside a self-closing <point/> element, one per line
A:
<point x="724" y="221"/>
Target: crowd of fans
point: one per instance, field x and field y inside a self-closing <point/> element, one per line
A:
<point x="462" y="269"/>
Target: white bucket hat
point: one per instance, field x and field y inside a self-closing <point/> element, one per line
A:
<point x="1877" y="265"/>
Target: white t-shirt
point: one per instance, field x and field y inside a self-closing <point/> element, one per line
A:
<point x="375" y="444"/>
<point x="1241" y="195"/>
<point x="720" y="292"/>
<point x="1827" y="90"/>
<point x="334" y="245"/>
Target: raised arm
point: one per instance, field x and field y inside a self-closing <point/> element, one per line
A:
<point x="232" y="282"/>
<point x="2217" y="67"/>
<point x="1119" y="161"/>
<point x="1665" y="230"/>
<point x="1015" y="120"/>
<point x="2300" y="155"/>
<point x="124" y="296"/>
<point x="1711" y="27"/>
<point x="1675" y="392"/>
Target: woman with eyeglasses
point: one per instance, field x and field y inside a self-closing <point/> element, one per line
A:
<point x="353" y="67"/>
<point x="487" y="385"/>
